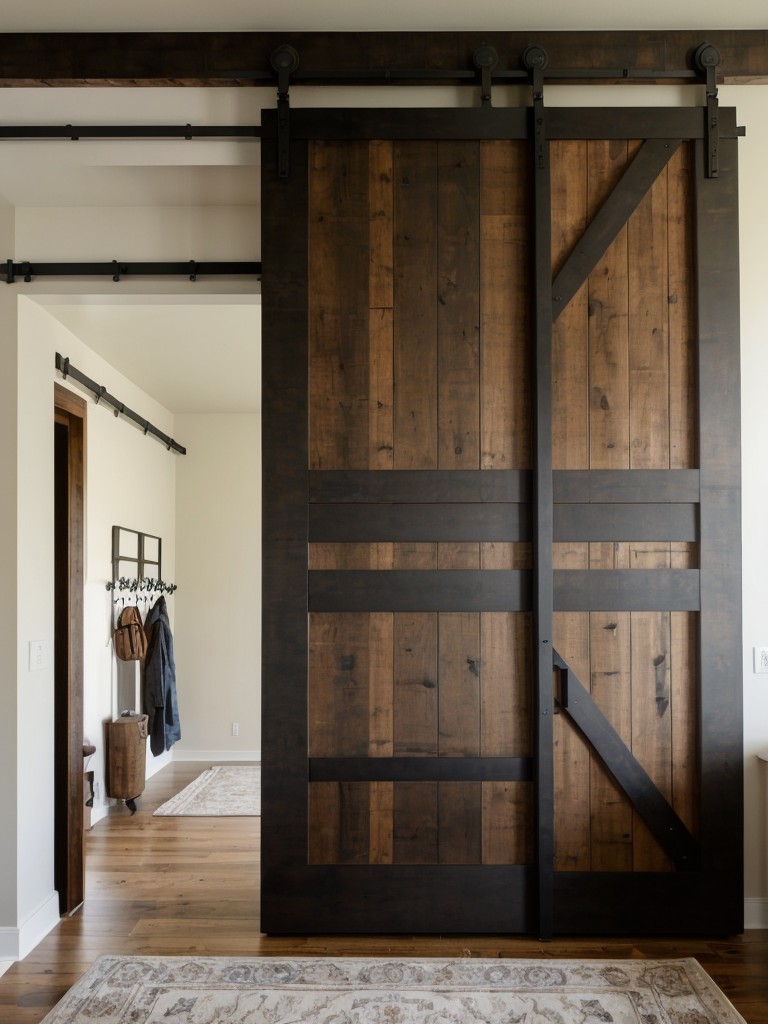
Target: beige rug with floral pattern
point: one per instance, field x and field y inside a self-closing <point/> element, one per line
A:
<point x="226" y="790"/>
<point x="223" y="990"/>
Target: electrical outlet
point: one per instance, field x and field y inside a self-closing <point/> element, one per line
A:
<point x="761" y="658"/>
<point x="236" y="725"/>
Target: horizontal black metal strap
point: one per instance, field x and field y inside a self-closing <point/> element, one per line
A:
<point x="627" y="590"/>
<point x="395" y="123"/>
<point x="633" y="123"/>
<point x="468" y="590"/>
<point x="489" y="521"/>
<point x="398" y="590"/>
<point x="625" y="522"/>
<point x="498" y="123"/>
<point x="433" y="485"/>
<point x="641" y="790"/>
<point x="498" y="521"/>
<point x="428" y="485"/>
<point x="632" y="485"/>
<point x="420" y="769"/>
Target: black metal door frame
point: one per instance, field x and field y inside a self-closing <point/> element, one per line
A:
<point x="709" y="898"/>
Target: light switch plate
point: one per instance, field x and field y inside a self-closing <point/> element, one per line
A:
<point x="38" y="655"/>
<point x="761" y="659"/>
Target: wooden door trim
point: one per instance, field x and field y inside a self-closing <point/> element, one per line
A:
<point x="70" y="409"/>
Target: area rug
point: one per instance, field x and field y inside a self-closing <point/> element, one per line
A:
<point x="264" y="990"/>
<point x="226" y="790"/>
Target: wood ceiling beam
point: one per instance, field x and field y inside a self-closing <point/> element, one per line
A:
<point x="218" y="58"/>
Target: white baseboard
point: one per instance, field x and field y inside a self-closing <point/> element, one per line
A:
<point x="15" y="943"/>
<point x="216" y="755"/>
<point x="154" y="764"/>
<point x="755" y="913"/>
<point x="98" y="813"/>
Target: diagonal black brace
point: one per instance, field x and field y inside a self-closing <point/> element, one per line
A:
<point x="284" y="60"/>
<point x="650" y="160"/>
<point x="642" y="792"/>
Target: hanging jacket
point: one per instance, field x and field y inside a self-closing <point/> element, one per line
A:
<point x="160" y="680"/>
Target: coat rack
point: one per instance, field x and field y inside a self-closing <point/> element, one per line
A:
<point x="145" y="587"/>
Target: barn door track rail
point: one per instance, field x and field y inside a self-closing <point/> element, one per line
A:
<point x="100" y="393"/>
<point x="484" y="73"/>
<point x="117" y="270"/>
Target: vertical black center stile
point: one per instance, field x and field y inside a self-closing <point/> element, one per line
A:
<point x="536" y="59"/>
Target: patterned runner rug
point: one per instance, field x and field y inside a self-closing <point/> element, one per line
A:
<point x="226" y="790"/>
<point x="253" y="990"/>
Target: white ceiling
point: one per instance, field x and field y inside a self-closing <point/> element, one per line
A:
<point x="160" y="174"/>
<point x="374" y="15"/>
<point x="196" y="357"/>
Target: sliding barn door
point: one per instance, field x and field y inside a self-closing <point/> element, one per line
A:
<point x="501" y="666"/>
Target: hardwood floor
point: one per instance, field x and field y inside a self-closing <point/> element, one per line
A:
<point x="190" y="886"/>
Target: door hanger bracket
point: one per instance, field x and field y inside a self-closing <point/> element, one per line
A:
<point x="284" y="60"/>
<point x="485" y="58"/>
<point x="535" y="60"/>
<point x="707" y="60"/>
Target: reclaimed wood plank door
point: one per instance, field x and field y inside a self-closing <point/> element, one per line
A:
<point x="501" y="594"/>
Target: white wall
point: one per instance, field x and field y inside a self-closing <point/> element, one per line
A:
<point x="134" y="488"/>
<point x="218" y="633"/>
<point x="130" y="482"/>
<point x="8" y="602"/>
<point x="137" y="233"/>
<point x="35" y="610"/>
<point x="751" y="103"/>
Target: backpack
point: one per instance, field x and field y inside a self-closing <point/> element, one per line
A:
<point x="130" y="638"/>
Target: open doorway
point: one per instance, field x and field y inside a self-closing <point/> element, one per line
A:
<point x="204" y="505"/>
<point x="69" y="505"/>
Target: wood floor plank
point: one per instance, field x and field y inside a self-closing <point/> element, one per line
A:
<point x="217" y="914"/>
